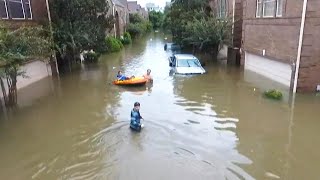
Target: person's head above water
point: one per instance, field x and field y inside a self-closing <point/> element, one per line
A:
<point x="136" y="105"/>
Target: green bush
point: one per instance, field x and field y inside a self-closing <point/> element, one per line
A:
<point x="91" y="57"/>
<point x="126" y="39"/>
<point x="120" y="43"/>
<point x="273" y="94"/>
<point x="113" y="44"/>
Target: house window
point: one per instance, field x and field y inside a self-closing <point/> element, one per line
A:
<point x="3" y="10"/>
<point x="15" y="9"/>
<point x="27" y="10"/>
<point x="259" y="8"/>
<point x="269" y="8"/>
<point x="222" y="8"/>
<point x="279" y="8"/>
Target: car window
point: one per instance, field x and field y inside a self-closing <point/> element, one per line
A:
<point x="188" y="63"/>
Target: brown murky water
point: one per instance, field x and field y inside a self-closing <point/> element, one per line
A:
<point x="213" y="126"/>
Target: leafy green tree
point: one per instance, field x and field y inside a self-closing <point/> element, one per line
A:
<point x="138" y="26"/>
<point x="192" y="23"/>
<point x="208" y="32"/>
<point x="16" y="48"/>
<point x="179" y="14"/>
<point x="135" y="18"/>
<point x="156" y="19"/>
<point x="79" y="25"/>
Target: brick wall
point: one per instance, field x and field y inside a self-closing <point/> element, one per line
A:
<point x="277" y="36"/>
<point x="309" y="72"/>
<point x="238" y="18"/>
<point x="39" y="15"/>
<point x="122" y="20"/>
<point x="39" y="9"/>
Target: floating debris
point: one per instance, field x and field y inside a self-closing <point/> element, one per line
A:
<point x="270" y="175"/>
<point x="273" y="94"/>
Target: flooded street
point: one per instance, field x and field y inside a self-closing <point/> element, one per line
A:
<point x="212" y="126"/>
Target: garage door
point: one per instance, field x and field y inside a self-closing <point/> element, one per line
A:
<point x="271" y="69"/>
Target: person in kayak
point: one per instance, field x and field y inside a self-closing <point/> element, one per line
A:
<point x="148" y="76"/>
<point x="122" y="77"/>
<point x="136" y="117"/>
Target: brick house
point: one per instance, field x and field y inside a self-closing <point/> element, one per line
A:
<point x="135" y="8"/>
<point x="144" y="13"/>
<point x="281" y="41"/>
<point x="119" y="10"/>
<point x="125" y="4"/>
<point x="16" y="13"/>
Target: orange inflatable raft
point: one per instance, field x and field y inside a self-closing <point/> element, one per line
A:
<point x="136" y="81"/>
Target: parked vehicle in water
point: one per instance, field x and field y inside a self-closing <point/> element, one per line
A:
<point x="172" y="47"/>
<point x="185" y="64"/>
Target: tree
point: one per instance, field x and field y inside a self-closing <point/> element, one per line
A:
<point x="17" y="47"/>
<point x="135" y="18"/>
<point x="138" y="25"/>
<point x="208" y="33"/>
<point x="156" y="19"/>
<point x="179" y="14"/>
<point x="79" y="25"/>
<point x="192" y="23"/>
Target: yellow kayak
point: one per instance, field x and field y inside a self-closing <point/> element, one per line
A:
<point x="136" y="81"/>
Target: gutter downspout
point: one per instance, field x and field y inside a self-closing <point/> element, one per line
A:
<point x="51" y="33"/>
<point x="233" y="13"/>
<point x="303" y="18"/>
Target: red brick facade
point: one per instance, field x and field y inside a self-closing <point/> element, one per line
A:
<point x="238" y="18"/>
<point x="279" y="37"/>
<point x="309" y="72"/>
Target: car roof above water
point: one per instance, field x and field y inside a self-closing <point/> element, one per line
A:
<point x="184" y="56"/>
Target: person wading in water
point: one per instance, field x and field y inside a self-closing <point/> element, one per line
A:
<point x="135" y="123"/>
<point x="148" y="76"/>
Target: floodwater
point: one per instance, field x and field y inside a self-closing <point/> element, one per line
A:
<point x="212" y="126"/>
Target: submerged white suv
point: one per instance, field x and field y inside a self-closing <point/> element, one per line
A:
<point x="185" y="64"/>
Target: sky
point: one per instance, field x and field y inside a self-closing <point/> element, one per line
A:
<point x="143" y="3"/>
